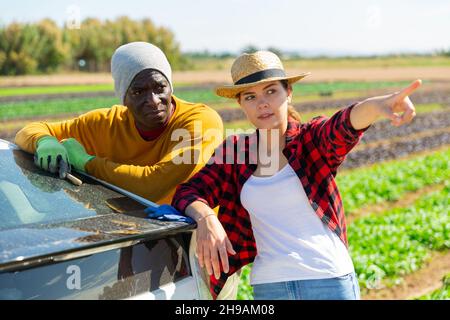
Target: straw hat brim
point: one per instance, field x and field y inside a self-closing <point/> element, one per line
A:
<point x="230" y="91"/>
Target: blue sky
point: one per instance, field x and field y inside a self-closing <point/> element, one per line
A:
<point x="311" y="27"/>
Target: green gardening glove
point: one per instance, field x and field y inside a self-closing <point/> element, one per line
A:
<point x="77" y="154"/>
<point x="51" y="156"/>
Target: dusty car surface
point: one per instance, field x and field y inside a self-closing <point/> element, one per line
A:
<point x="62" y="241"/>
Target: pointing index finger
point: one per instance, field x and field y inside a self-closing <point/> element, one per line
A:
<point x="410" y="89"/>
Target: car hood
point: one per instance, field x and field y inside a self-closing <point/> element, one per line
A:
<point x="25" y="246"/>
<point x="44" y="218"/>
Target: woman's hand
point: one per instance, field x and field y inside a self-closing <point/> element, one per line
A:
<point x="212" y="244"/>
<point x="396" y="106"/>
<point x="212" y="241"/>
<point x="393" y="105"/>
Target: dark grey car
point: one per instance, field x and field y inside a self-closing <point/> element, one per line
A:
<point x="61" y="241"/>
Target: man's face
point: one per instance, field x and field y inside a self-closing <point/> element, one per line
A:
<point x="149" y="99"/>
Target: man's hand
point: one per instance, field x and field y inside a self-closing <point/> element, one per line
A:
<point x="166" y="212"/>
<point x="77" y="154"/>
<point x="52" y="156"/>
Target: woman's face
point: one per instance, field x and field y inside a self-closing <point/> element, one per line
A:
<point x="266" y="105"/>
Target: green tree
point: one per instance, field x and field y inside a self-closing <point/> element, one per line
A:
<point x="85" y="43"/>
<point x="44" y="47"/>
<point x="277" y="51"/>
<point x="52" y="52"/>
<point x="249" y="49"/>
<point x="17" y="44"/>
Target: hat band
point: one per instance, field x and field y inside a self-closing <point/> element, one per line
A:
<point x="261" y="75"/>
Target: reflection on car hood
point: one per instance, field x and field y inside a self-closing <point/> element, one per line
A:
<point x="44" y="218"/>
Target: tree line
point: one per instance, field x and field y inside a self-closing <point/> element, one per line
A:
<point x="44" y="47"/>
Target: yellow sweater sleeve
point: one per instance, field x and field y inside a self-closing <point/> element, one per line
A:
<point x="151" y="182"/>
<point x="81" y="128"/>
<point x="159" y="181"/>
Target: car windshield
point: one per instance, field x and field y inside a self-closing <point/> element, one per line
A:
<point x="29" y="195"/>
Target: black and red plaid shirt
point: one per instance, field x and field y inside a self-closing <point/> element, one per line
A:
<point x="314" y="150"/>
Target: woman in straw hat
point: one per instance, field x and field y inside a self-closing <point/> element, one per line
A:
<point x="279" y="203"/>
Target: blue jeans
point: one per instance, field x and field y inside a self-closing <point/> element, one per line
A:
<point x="339" y="288"/>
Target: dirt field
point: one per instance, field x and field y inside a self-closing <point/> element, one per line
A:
<point x="223" y="76"/>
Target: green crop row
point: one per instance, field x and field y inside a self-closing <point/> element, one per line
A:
<point x="24" y="91"/>
<point x="245" y="290"/>
<point x="399" y="241"/>
<point x="391" y="180"/>
<point x="9" y="111"/>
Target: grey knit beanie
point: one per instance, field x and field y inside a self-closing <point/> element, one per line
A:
<point x="131" y="58"/>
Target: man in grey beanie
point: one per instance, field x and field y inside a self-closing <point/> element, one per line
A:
<point x="134" y="145"/>
<point x="132" y="58"/>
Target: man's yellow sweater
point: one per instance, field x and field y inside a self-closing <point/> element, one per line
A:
<point x="124" y="158"/>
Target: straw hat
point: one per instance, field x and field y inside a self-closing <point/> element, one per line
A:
<point x="251" y="69"/>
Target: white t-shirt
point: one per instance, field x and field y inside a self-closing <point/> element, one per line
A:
<point x="292" y="242"/>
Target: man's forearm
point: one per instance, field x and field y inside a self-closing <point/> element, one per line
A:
<point x="364" y="114"/>
<point x="28" y="136"/>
